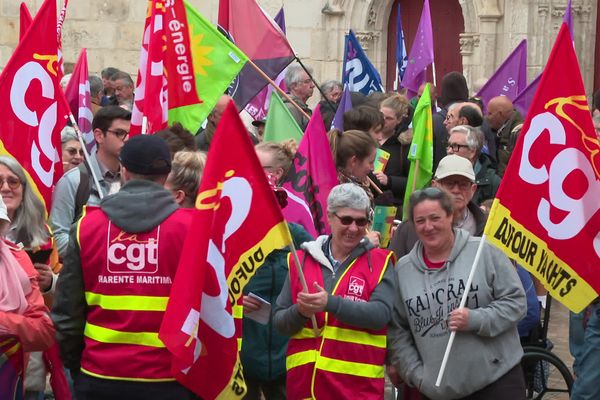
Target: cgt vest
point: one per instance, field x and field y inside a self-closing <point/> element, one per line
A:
<point x="127" y="279"/>
<point x="343" y="361"/>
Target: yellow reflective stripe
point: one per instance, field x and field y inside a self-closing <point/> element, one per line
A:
<point x="106" y="335"/>
<point x="352" y="336"/>
<point x="301" y="358"/>
<point x="237" y="311"/>
<point x="239" y="343"/>
<point x="130" y="303"/>
<point x="350" y="368"/>
<point x="120" y="378"/>
<point x="305" y="333"/>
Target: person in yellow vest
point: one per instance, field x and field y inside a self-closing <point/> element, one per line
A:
<point x="114" y="287"/>
<point x="351" y="290"/>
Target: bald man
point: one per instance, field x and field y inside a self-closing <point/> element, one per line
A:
<point x="204" y="136"/>
<point x="506" y="123"/>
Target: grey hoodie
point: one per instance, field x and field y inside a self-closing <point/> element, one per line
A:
<point x="374" y="314"/>
<point x="418" y="334"/>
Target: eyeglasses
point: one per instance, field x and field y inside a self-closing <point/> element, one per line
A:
<point x="347" y="220"/>
<point x="73" y="151"/>
<point x="456" y="147"/>
<point x="461" y="183"/>
<point x="13" y="183"/>
<point x="120" y="133"/>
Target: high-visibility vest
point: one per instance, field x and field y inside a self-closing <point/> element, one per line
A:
<point x="127" y="279"/>
<point x="343" y="361"/>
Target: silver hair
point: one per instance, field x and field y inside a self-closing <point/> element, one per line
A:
<point x="474" y="136"/>
<point x="331" y="84"/>
<point x="96" y="85"/>
<point x="293" y="74"/>
<point x="348" y="195"/>
<point x="29" y="219"/>
<point x="67" y="134"/>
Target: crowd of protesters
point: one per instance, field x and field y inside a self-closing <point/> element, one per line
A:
<point x="364" y="316"/>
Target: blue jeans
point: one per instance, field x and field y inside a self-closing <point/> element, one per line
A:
<point x="586" y="385"/>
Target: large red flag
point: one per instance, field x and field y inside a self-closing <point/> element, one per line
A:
<point x="32" y="109"/>
<point x="546" y="212"/>
<point x="259" y="37"/>
<point x="313" y="174"/>
<point x="78" y="96"/>
<point x="151" y="92"/>
<point x="237" y="223"/>
<point x="24" y="20"/>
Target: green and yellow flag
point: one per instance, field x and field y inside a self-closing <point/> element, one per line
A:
<point x="280" y="124"/>
<point x="421" y="149"/>
<point x="201" y="64"/>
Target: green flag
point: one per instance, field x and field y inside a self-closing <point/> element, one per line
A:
<point x="280" y="124"/>
<point x="216" y="62"/>
<point x="421" y="149"/>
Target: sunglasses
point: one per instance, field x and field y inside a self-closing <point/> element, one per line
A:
<point x="347" y="220"/>
<point x="73" y="151"/>
<point x="12" y="183"/>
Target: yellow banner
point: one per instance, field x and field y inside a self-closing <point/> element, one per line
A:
<point x="531" y="252"/>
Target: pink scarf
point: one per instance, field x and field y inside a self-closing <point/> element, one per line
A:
<point x="14" y="283"/>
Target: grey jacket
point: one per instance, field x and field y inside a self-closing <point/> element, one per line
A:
<point x="418" y="334"/>
<point x="374" y="314"/>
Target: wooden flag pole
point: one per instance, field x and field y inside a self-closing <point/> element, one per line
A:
<point x="276" y="87"/>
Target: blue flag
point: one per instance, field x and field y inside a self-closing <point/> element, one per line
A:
<point x="358" y="72"/>
<point x="401" y="56"/>
<point x="345" y="105"/>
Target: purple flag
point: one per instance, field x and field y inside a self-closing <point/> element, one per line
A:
<point x="510" y="78"/>
<point x="345" y="105"/>
<point x="313" y="174"/>
<point x="421" y="54"/>
<point x="568" y="18"/>
<point x="523" y="99"/>
<point x="259" y="105"/>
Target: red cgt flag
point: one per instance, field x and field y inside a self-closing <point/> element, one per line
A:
<point x="33" y="110"/>
<point x="24" y="20"/>
<point x="545" y="215"/>
<point x="151" y="92"/>
<point x="237" y="223"/>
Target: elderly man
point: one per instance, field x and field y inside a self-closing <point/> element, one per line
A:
<point x="301" y="87"/>
<point x="455" y="175"/>
<point x="124" y="87"/>
<point x="506" y="123"/>
<point x="332" y="90"/>
<point x="467" y="141"/>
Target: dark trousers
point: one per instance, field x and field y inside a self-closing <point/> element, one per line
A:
<point x="90" y="388"/>
<point x="271" y="390"/>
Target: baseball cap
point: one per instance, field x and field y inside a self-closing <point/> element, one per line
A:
<point x="146" y="155"/>
<point x="455" y="165"/>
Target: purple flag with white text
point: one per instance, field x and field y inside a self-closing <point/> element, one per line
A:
<point x="421" y="54"/>
<point x="510" y="78"/>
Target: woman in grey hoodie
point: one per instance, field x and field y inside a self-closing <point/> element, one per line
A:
<point x="485" y="359"/>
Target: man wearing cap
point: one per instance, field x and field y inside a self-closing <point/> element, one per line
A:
<point x="454" y="175"/>
<point x="114" y="286"/>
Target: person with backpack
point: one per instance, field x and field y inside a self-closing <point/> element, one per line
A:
<point x="77" y="188"/>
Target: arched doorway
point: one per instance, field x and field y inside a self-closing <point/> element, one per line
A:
<point x="447" y="23"/>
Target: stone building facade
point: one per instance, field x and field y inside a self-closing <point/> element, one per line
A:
<point x="111" y="31"/>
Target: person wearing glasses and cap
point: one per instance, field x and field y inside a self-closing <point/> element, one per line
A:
<point x="350" y="294"/>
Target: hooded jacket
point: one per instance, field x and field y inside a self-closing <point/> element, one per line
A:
<point x="418" y="334"/>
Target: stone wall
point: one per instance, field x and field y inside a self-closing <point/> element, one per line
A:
<point x="111" y="31"/>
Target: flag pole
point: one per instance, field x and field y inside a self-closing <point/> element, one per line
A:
<point x="415" y="176"/>
<point x="329" y="103"/>
<point x="313" y="320"/>
<point x="276" y="87"/>
<point x="144" y="125"/>
<point x="463" y="301"/>
<point x="86" y="154"/>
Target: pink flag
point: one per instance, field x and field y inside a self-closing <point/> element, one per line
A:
<point x="421" y="54"/>
<point x="311" y="177"/>
<point x="24" y="20"/>
<point x="77" y="93"/>
<point x="151" y="91"/>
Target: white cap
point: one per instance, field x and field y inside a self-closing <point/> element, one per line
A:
<point x="455" y="165"/>
<point x="3" y="211"/>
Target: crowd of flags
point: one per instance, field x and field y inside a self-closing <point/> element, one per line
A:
<point x="183" y="72"/>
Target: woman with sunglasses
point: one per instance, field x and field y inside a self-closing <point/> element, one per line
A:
<point x="486" y="356"/>
<point x="350" y="295"/>
<point x="72" y="154"/>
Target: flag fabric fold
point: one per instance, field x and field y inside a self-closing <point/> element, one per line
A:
<point x="235" y="226"/>
<point x="77" y="94"/>
<point x="524" y="99"/>
<point x="547" y="204"/>
<point x="259" y="37"/>
<point x="31" y="119"/>
<point x="420" y="55"/>
<point x="24" y="20"/>
<point x="344" y="105"/>
<point x="151" y="103"/>
<point x="280" y="124"/>
<point x="313" y="173"/>
<point x="421" y="149"/>
<point x="510" y="78"/>
<point x="358" y="72"/>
